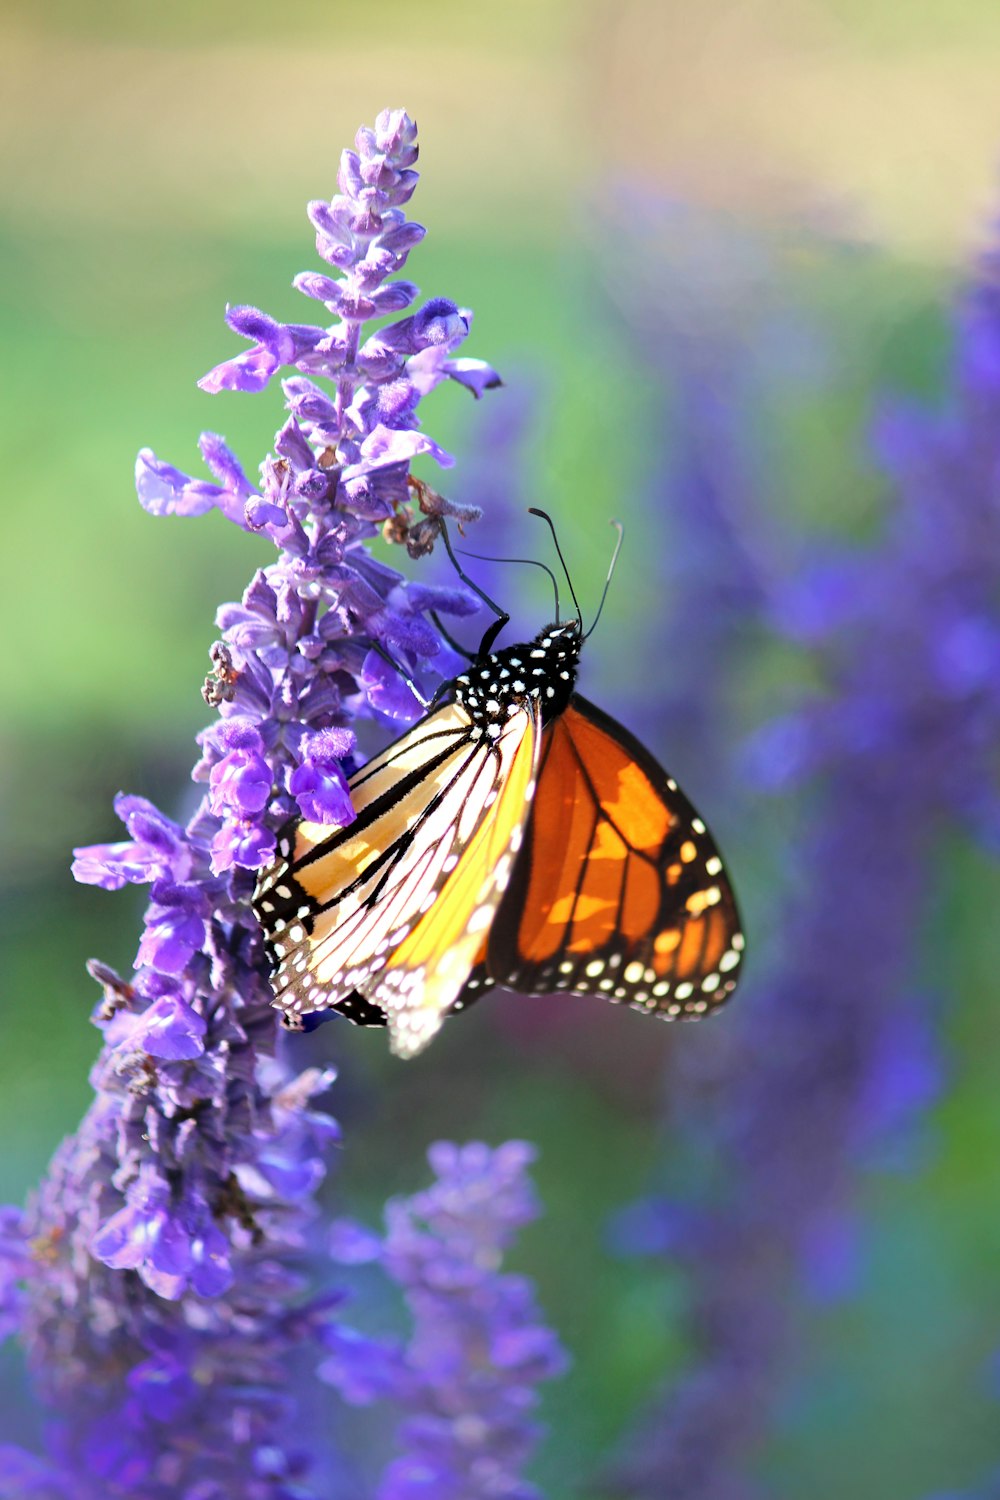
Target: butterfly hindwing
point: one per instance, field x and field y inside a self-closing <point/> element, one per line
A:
<point x="620" y="889"/>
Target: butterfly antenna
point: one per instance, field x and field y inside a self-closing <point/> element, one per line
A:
<point x="532" y="562"/>
<point x="607" y="582"/>
<point x="502" y="617"/>
<point x="534" y="511"/>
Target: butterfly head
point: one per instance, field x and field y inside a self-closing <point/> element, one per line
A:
<point x="545" y="669"/>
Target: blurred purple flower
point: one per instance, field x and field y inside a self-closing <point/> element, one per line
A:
<point x="831" y="1052"/>
<point x="466" y="1379"/>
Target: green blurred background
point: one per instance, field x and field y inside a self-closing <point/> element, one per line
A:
<point x="157" y="161"/>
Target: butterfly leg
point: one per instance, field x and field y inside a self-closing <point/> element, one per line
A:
<point x="455" y="645"/>
<point x="379" y="649"/>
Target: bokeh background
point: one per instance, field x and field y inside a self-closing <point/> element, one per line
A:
<point x="700" y="241"/>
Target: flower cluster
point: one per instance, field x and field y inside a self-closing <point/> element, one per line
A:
<point x="834" y="1045"/>
<point x="298" y="659"/>
<point x="154" y="1277"/>
<point x="327" y="632"/>
<point x="171" y="1395"/>
<point x="466" y="1379"/>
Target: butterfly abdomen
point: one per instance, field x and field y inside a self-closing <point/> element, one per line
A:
<point x="543" y="669"/>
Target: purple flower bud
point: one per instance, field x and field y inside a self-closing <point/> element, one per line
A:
<point x="276" y="344"/>
<point x="475" y="374"/>
<point x="352" y="1244"/>
<point x="245" y="844"/>
<point x="241" y="781"/>
<point x="158" y="850"/>
<point x="421" y="597"/>
<point x="175" y="927"/>
<point x="375" y="494"/>
<point x="125" y="1239"/>
<point x="439" y="322"/>
<point x="224" y="464"/>
<point x="291" y="1178"/>
<point x="166" y="491"/>
<point x="362" y="1369"/>
<point x="172" y="1246"/>
<point x="164" y="1386"/>
<point x="248" y="372"/>
<point x="264" y="515"/>
<point x="409" y="632"/>
<point x="318" y="784"/>
<point x="211" y="1271"/>
<point x="533" y="1351"/>
<point x="170" y="1029"/>
<point x="290" y="443"/>
<point x="385" y="445"/>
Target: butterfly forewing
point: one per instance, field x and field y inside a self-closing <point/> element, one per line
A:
<point x="620" y="889"/>
<point x="329" y="879"/>
<point x="429" y="969"/>
<point x="340" y="904"/>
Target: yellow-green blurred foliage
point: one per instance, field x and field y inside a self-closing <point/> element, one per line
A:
<point x="157" y="161"/>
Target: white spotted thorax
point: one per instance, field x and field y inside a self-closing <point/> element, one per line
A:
<point x="544" y="669"/>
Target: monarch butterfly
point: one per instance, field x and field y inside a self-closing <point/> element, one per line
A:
<point x="517" y="836"/>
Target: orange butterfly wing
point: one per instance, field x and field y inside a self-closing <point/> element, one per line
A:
<point x="382" y="919"/>
<point x="619" y="889"/>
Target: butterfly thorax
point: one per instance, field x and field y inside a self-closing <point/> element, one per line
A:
<point x="544" y="669"/>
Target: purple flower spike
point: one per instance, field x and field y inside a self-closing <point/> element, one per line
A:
<point x="157" y="1277"/>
